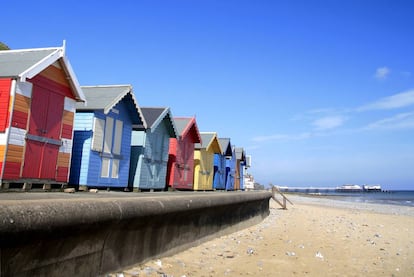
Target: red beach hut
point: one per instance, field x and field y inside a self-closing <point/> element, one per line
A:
<point x="38" y="93"/>
<point x="180" y="172"/>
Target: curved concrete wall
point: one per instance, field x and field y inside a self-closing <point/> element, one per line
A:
<point x="92" y="236"/>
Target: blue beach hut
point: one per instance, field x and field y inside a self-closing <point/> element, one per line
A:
<point x="149" y="149"/>
<point x="231" y="169"/>
<point x="220" y="172"/>
<point x="102" y="136"/>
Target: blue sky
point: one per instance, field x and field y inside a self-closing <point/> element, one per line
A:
<point x="320" y="93"/>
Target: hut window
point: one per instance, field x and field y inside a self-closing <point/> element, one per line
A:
<point x="105" y="167"/>
<point x="98" y="132"/>
<point x="118" y="137"/>
<point x="115" y="168"/>
<point x="109" y="128"/>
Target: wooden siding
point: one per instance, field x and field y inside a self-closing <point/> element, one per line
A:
<point x="237" y="176"/>
<point x="14" y="153"/>
<point x="63" y="159"/>
<point x="21" y="103"/>
<point x="204" y="170"/>
<point x="173" y="170"/>
<point x="62" y="171"/>
<point x="12" y="170"/>
<point x="66" y="131"/>
<point x="241" y="175"/>
<point x="137" y="153"/>
<point x="38" y="111"/>
<point x="187" y="161"/>
<point x="55" y="74"/>
<point x="182" y="165"/>
<point x="5" y="86"/>
<point x="230" y="169"/>
<point x="219" y="181"/>
<point x="67" y="122"/>
<point x="152" y="171"/>
<point x="2" y="152"/>
<point x="81" y="151"/>
<point x="68" y="118"/>
<point x="21" y="111"/>
<point x="83" y="121"/>
<point x="90" y="152"/>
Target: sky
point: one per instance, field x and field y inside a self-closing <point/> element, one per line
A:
<point x="319" y="93"/>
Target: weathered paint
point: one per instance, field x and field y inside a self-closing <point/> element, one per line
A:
<point x="219" y="177"/>
<point x="151" y="167"/>
<point x="149" y="150"/>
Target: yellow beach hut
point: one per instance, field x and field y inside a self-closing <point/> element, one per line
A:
<point x="204" y="160"/>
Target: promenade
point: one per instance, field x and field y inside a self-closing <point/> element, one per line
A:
<point x="90" y="234"/>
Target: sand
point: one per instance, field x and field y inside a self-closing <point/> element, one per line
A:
<point x="314" y="237"/>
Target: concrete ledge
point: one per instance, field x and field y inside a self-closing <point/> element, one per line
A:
<point x="92" y="236"/>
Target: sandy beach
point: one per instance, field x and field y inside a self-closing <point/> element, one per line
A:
<point x="314" y="237"/>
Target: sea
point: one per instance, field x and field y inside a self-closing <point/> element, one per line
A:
<point x="392" y="197"/>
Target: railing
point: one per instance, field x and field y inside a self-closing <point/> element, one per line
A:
<point x="284" y="198"/>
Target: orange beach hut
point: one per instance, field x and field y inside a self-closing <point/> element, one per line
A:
<point x="38" y="93"/>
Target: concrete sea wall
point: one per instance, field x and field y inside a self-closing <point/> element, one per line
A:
<point x="91" y="235"/>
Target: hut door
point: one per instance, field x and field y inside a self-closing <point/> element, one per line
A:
<point x="43" y="138"/>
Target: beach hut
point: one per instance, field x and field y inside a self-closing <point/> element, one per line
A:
<point x="231" y="169"/>
<point x="220" y="171"/>
<point x="38" y="93"/>
<point x="102" y="136"/>
<point x="204" y="160"/>
<point x="149" y="149"/>
<point x="180" y="172"/>
<point x="239" y="169"/>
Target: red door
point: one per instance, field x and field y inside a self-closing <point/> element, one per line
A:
<point x="43" y="139"/>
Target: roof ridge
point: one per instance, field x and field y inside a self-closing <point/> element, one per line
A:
<point x="31" y="49"/>
<point x="107" y="86"/>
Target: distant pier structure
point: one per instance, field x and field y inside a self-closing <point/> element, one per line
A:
<point x="343" y="188"/>
<point x="307" y="189"/>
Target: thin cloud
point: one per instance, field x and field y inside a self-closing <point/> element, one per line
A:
<point x="382" y="73"/>
<point x="328" y="122"/>
<point x="330" y="119"/>
<point x="399" y="121"/>
<point x="395" y="101"/>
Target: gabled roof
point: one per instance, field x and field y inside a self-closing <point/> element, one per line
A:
<point x="24" y="64"/>
<point x="155" y="115"/>
<point x="208" y="140"/>
<point x="107" y="97"/>
<point x="185" y="125"/>
<point x="240" y="154"/>
<point x="225" y="146"/>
